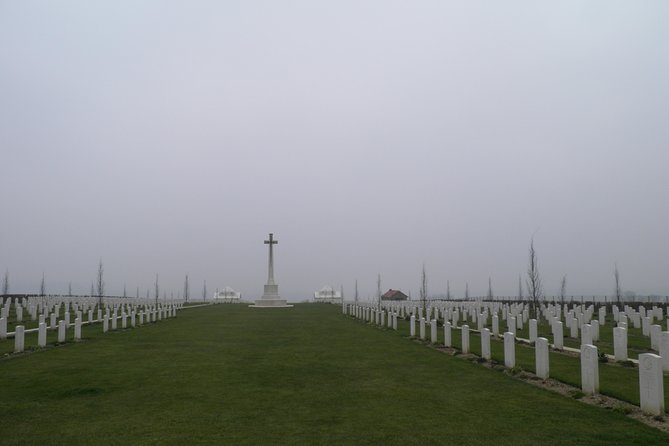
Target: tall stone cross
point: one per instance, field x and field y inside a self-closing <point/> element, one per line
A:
<point x="270" y="269"/>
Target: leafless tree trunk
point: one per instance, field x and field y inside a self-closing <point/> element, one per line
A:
<point x="490" y="296"/>
<point x="92" y="288"/>
<point x="448" y="290"/>
<point x="356" y="291"/>
<point x="137" y="293"/>
<point x="466" y="290"/>
<point x="157" y="289"/>
<point x="618" y="291"/>
<point x="5" y="283"/>
<point x="204" y="291"/>
<point x="534" y="280"/>
<point x="341" y="292"/>
<point x="563" y="291"/>
<point x="378" y="291"/>
<point x="125" y="292"/>
<point x="100" y="283"/>
<point x="423" y="290"/>
<point x="186" y="289"/>
<point x="42" y="287"/>
<point x="69" y="288"/>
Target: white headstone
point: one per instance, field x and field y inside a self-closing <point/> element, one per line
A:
<point x="19" y="338"/>
<point x="448" y="341"/>
<point x="495" y="325"/>
<point x="594" y="330"/>
<point x="422" y="328"/>
<point x="541" y="358"/>
<point x="77" y="329"/>
<point x="586" y="334"/>
<point x="509" y="350"/>
<point x="664" y="350"/>
<point x="651" y="384"/>
<point x="655" y="331"/>
<point x="41" y="335"/>
<point x="620" y="343"/>
<point x="61" y="330"/>
<point x="412" y="326"/>
<point x="105" y="324"/>
<point x="3" y="328"/>
<point x="511" y="325"/>
<point x="589" y="369"/>
<point x="602" y="316"/>
<point x="465" y="338"/>
<point x="533" y="330"/>
<point x="558" y="337"/>
<point x="485" y="344"/>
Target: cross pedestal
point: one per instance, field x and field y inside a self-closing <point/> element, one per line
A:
<point x="270" y="297"/>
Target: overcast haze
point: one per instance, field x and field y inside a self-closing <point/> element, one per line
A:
<point x="370" y="137"/>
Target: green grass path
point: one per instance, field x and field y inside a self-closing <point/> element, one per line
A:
<point x="233" y="375"/>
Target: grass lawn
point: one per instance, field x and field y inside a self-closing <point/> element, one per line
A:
<point x="229" y="374"/>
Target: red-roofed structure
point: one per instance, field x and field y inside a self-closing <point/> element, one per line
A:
<point x="394" y="295"/>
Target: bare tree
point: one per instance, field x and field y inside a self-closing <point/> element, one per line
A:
<point x="157" y="289"/>
<point x="356" y="291"/>
<point x="378" y="291"/>
<point x="341" y="292"/>
<point x="125" y="292"/>
<point x="423" y="290"/>
<point x="100" y="283"/>
<point x="137" y="293"/>
<point x="520" y="288"/>
<point x="5" y="283"/>
<point x="534" y="288"/>
<point x="490" y="296"/>
<point x="618" y="290"/>
<point x="42" y="287"/>
<point x="69" y="288"/>
<point x="92" y="288"/>
<point x="563" y="290"/>
<point x="466" y="290"/>
<point x="186" y="289"/>
<point x="204" y="291"/>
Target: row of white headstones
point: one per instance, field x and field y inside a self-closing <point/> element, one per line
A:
<point x="133" y="311"/>
<point x="651" y="366"/>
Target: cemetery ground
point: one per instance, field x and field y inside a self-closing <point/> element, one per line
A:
<point x="229" y="374"/>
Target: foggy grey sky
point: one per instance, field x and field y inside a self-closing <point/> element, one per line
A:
<point x="370" y="137"/>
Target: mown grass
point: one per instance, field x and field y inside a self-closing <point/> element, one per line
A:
<point x="233" y="375"/>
